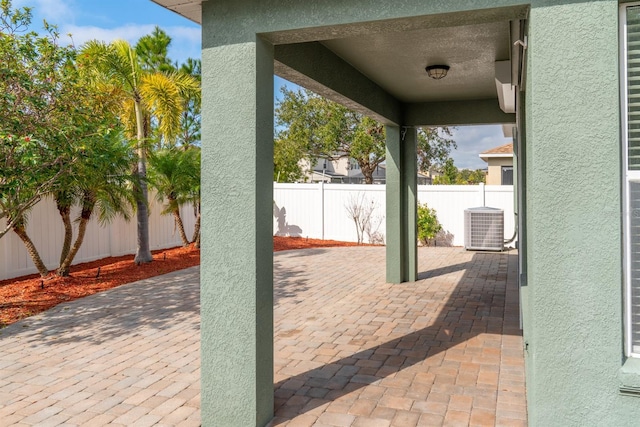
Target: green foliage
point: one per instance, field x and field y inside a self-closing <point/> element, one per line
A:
<point x="312" y="128"/>
<point x="189" y="135"/>
<point x="153" y="50"/>
<point x="63" y="118"/>
<point x="451" y="175"/>
<point x="175" y="174"/>
<point x="287" y="155"/>
<point x="434" y="147"/>
<point x="316" y="128"/>
<point x="47" y="113"/>
<point x="428" y="224"/>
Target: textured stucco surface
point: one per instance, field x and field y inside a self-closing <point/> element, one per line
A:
<point x="401" y="200"/>
<point x="316" y="67"/>
<point x="573" y="298"/>
<point x="409" y="143"/>
<point x="573" y="323"/>
<point x="237" y="247"/>
<point x="456" y="113"/>
<point x="395" y="247"/>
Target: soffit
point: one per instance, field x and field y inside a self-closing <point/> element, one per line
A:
<point x="190" y="9"/>
<point x="396" y="61"/>
<point x="394" y="53"/>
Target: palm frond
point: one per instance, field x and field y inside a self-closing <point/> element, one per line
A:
<point x="162" y="96"/>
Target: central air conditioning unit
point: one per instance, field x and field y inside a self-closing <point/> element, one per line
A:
<point x="484" y="229"/>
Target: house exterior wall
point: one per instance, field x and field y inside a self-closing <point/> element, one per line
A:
<point x="494" y="171"/>
<point x="572" y="298"/>
<point x="572" y="301"/>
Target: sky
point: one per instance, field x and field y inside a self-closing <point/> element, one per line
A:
<point x="108" y="20"/>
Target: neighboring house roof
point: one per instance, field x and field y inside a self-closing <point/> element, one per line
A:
<point x="505" y="150"/>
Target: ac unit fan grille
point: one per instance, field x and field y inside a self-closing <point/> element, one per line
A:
<point x="484" y="229"/>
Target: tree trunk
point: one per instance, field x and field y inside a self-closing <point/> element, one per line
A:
<point x="196" y="231"/>
<point x="85" y="216"/>
<point x="65" y="214"/>
<point x="197" y="241"/>
<point x="178" y="220"/>
<point x="143" y="254"/>
<point x="367" y="171"/>
<point x="19" y="229"/>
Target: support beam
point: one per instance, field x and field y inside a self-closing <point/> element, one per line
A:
<point x="456" y="113"/>
<point x="395" y="224"/>
<point x="315" y="67"/>
<point x="409" y="141"/>
<point x="401" y="191"/>
<point x="237" y="243"/>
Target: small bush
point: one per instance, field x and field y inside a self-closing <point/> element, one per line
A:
<point x="428" y="224"/>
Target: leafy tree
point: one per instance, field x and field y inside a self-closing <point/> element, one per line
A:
<point x="144" y="94"/>
<point x="451" y="175"/>
<point x="467" y="176"/>
<point x="428" y="224"/>
<point x="45" y="115"/>
<point x="173" y="173"/>
<point x="153" y="51"/>
<point x="287" y="155"/>
<point x="189" y="135"/>
<point x="313" y="127"/>
<point x="434" y="147"/>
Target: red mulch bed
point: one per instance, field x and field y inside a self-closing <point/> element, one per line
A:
<point x="28" y="295"/>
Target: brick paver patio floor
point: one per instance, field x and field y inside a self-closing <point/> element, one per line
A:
<point x="350" y="349"/>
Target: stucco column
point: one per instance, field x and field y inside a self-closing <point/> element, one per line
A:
<point x="401" y="193"/>
<point x="409" y="140"/>
<point x="237" y="242"/>
<point x="573" y="320"/>
<point x="395" y="226"/>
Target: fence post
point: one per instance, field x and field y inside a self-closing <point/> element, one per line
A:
<point x="321" y="188"/>
<point x="482" y="194"/>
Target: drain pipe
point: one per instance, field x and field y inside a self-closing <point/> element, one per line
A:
<point x="515" y="229"/>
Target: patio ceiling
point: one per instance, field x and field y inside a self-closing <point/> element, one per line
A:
<point x="371" y="64"/>
<point x="396" y="61"/>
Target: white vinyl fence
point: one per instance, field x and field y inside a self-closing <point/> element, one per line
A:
<point x="320" y="210"/>
<point x="307" y="210"/>
<point x="115" y="239"/>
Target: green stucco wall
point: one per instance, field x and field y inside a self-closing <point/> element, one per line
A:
<point x="572" y="301"/>
<point x="237" y="244"/>
<point x="401" y="204"/>
<point x="573" y="298"/>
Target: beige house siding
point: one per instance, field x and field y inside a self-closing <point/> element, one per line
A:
<point x="494" y="175"/>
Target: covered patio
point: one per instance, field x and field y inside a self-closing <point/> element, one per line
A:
<point x="350" y="349"/>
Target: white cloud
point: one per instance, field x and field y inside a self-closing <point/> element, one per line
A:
<point x="472" y="140"/>
<point x="185" y="40"/>
<point x="54" y="11"/>
<point x="83" y="33"/>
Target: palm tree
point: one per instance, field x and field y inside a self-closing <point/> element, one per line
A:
<point x="173" y="173"/>
<point x="144" y="93"/>
<point x="104" y="185"/>
<point x="194" y="196"/>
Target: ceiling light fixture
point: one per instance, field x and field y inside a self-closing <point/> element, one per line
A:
<point x="437" y="72"/>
